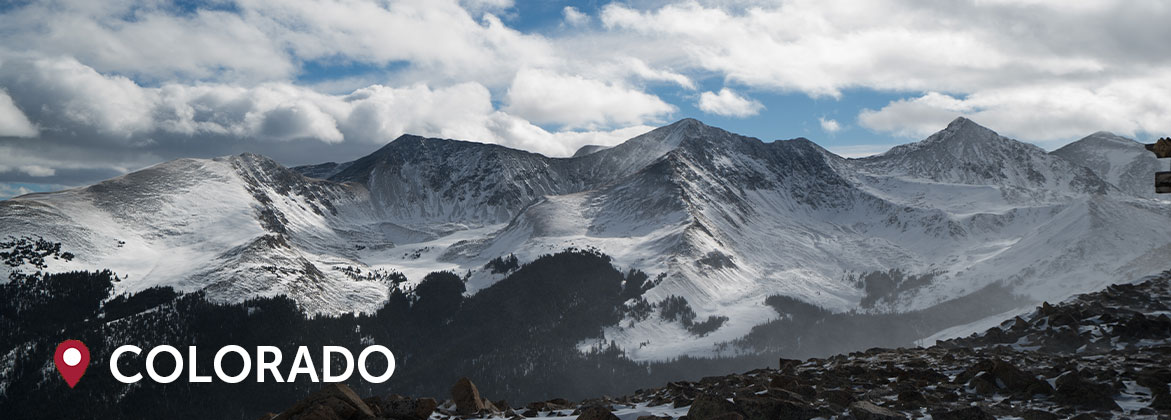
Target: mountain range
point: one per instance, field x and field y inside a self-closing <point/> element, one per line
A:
<point x="720" y="220"/>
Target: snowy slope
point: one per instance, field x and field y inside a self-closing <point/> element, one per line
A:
<point x="1116" y="159"/>
<point x="968" y="154"/>
<point x="235" y="227"/>
<point x="727" y="221"/>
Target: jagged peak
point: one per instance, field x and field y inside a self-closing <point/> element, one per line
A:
<point x="687" y="123"/>
<point x="959" y="133"/>
<point x="964" y="129"/>
<point x="960" y="121"/>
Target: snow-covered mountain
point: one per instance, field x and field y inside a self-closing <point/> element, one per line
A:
<point x="1117" y="160"/>
<point x="726" y="220"/>
<point x="235" y="226"/>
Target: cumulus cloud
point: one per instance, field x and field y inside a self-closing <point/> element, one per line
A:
<point x="1000" y="56"/>
<point x="575" y="17"/>
<point x="829" y="125"/>
<point x="916" y="117"/>
<point x="1045" y="113"/>
<point x="112" y="86"/>
<point x="728" y="103"/>
<point x="110" y="124"/>
<point x="545" y="97"/>
<point x="13" y="122"/>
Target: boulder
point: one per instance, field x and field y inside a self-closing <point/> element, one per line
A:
<point x="991" y="376"/>
<point x="966" y="413"/>
<point x="911" y="399"/>
<point x="596" y="412"/>
<point x="838" y="398"/>
<point x="770" y="408"/>
<point x="707" y="406"/>
<point x="865" y="410"/>
<point x="783" y="382"/>
<point x="318" y="412"/>
<point x="406" y="408"/>
<point x="1073" y="390"/>
<point x="789" y="365"/>
<point x="1161" y="401"/>
<point x="466" y="397"/>
<point x="488" y="406"/>
<point x="333" y="402"/>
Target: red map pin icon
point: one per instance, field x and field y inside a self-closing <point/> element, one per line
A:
<point x="72" y="358"/>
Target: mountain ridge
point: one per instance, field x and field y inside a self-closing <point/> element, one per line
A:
<point x="726" y="221"/>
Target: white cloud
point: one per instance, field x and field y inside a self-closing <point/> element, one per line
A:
<point x="729" y="104"/>
<point x="1000" y="55"/>
<point x="481" y="5"/>
<point x="8" y="191"/>
<point x="75" y="99"/>
<point x="914" y="118"/>
<point x="65" y="94"/>
<point x="147" y="39"/>
<point x="575" y="17"/>
<point x="860" y="150"/>
<point x="829" y="125"/>
<point x="574" y="101"/>
<point x="1048" y="114"/>
<point x="13" y="122"/>
<point x="132" y="75"/>
<point x="37" y="170"/>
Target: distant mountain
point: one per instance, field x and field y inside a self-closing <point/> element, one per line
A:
<point x="236" y="226"/>
<point x="1117" y="160"/>
<point x="720" y="221"/>
<point x="967" y="153"/>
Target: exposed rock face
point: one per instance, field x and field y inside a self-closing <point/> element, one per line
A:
<point x="992" y="376"/>
<point x="333" y="402"/>
<point x="864" y="410"/>
<point x="403" y="408"/>
<point x="1073" y="389"/>
<point x="466" y="397"/>
<point x="709" y="406"/>
<point x="1121" y="316"/>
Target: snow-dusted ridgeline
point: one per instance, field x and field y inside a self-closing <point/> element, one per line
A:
<point x="728" y="219"/>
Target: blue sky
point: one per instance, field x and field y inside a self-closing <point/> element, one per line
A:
<point x="94" y="89"/>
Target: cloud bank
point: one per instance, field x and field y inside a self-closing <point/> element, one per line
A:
<point x="89" y="89"/>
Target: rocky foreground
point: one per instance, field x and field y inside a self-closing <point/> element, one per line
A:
<point x="1097" y="356"/>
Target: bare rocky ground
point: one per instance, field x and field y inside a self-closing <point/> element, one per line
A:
<point x="1104" y="355"/>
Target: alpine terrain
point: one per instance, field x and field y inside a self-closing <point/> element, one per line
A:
<point x="730" y="230"/>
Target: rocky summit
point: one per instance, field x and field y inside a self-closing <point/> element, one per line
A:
<point x="1102" y="355"/>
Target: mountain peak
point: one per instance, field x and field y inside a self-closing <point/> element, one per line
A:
<point x="687" y="123"/>
<point x="960" y="134"/>
<point x="1108" y="138"/>
<point x="667" y="137"/>
<point x="965" y="129"/>
<point x="960" y="121"/>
